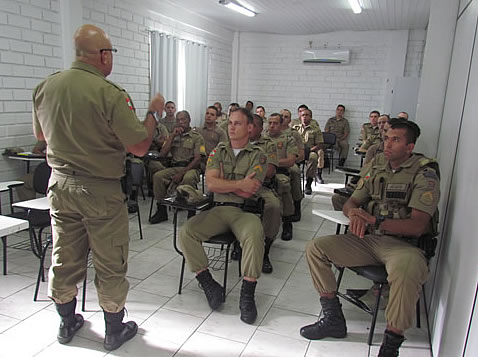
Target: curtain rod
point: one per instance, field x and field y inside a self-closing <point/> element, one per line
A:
<point x="178" y="38"/>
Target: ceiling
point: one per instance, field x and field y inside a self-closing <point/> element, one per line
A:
<point x="307" y="17"/>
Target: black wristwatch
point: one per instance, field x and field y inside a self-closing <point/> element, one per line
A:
<point x="378" y="220"/>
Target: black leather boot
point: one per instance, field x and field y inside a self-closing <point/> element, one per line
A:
<point x="342" y="162"/>
<point x="286" y="228"/>
<point x="319" y="176"/>
<point x="117" y="332"/>
<point x="332" y="324"/>
<point x="236" y="251"/>
<point x="191" y="213"/>
<point x="247" y="304"/>
<point x="391" y="344"/>
<point x="266" y="263"/>
<point x="70" y="322"/>
<point x="214" y="292"/>
<point x="308" y="186"/>
<point x="297" y="213"/>
<point x="161" y="215"/>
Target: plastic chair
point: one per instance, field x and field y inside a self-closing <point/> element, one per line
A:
<point x="329" y="141"/>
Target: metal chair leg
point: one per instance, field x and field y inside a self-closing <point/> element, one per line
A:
<point x="139" y="223"/>
<point x="181" y="276"/>
<point x="40" y="270"/>
<point x="375" y="314"/>
<point x="225" y="273"/>
<point x="4" y="243"/>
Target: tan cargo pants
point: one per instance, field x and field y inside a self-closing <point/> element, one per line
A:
<point x="88" y="213"/>
<point x="163" y="178"/>
<point x="247" y="228"/>
<point x="316" y="160"/>
<point x="406" y="266"/>
<point x="271" y="220"/>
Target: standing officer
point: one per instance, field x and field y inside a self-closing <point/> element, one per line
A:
<point x="287" y="154"/>
<point x="295" y="179"/>
<point x="87" y="122"/>
<point x="400" y="197"/>
<point x="235" y="171"/>
<point x="169" y="120"/>
<point x="186" y="147"/>
<point x="339" y="126"/>
<point x="313" y="141"/>
<point x="272" y="206"/>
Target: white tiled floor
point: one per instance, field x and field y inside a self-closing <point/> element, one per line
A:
<point x="183" y="325"/>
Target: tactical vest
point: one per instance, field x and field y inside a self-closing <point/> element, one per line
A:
<point x="390" y="193"/>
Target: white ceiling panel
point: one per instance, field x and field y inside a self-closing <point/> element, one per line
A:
<point x="305" y="17"/>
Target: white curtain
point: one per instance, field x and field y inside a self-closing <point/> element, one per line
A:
<point x="164" y="66"/>
<point x="195" y="84"/>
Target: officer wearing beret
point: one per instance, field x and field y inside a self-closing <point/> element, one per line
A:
<point x="235" y="171"/>
<point x="87" y="123"/>
<point x="393" y="205"/>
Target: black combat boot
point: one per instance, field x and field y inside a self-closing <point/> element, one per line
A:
<point x="214" y="292"/>
<point x="266" y="263"/>
<point x="342" y="162"/>
<point x="161" y="215"/>
<point x="70" y="322"/>
<point x="332" y="324"/>
<point x="236" y="251"/>
<point x="191" y="213"/>
<point x="117" y="332"/>
<point x="297" y="214"/>
<point x="247" y="305"/>
<point x="308" y="186"/>
<point x="319" y="176"/>
<point x="286" y="228"/>
<point x="390" y="344"/>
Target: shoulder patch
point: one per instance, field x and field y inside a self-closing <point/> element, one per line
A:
<point x="427" y="198"/>
<point x="130" y="104"/>
<point x="360" y="184"/>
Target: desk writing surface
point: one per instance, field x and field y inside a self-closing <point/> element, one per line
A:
<point x="40" y="204"/>
<point x="9" y="225"/>
<point x="331" y="215"/>
<point x="5" y="186"/>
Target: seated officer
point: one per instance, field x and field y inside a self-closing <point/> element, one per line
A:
<point x="295" y="181"/>
<point x="339" y="126"/>
<point x="272" y="206"/>
<point x="186" y="147"/>
<point x="169" y="121"/>
<point x="210" y="132"/>
<point x="287" y="154"/>
<point x="399" y="194"/>
<point x="234" y="173"/>
<point x="221" y="117"/>
<point x="370" y="132"/>
<point x="313" y="141"/>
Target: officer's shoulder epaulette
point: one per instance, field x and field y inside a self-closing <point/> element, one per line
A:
<point x="118" y="87"/>
<point x="254" y="147"/>
<point x="427" y="163"/>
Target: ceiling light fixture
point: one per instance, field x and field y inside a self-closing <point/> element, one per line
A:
<point x="355" y="5"/>
<point x="237" y="7"/>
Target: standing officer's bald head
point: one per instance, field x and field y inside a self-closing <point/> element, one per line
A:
<point x="93" y="46"/>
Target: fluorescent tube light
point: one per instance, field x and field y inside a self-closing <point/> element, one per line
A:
<point x="356" y="8"/>
<point x="237" y="7"/>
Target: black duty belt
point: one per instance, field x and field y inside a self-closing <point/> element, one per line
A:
<point x="180" y="164"/>
<point x="230" y="204"/>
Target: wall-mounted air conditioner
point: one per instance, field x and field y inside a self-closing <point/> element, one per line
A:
<point x="326" y="55"/>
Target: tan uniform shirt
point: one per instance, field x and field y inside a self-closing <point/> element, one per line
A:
<point x="285" y="146"/>
<point x="297" y="137"/>
<point x="222" y="119"/>
<point x="185" y="146"/>
<point x="94" y="136"/>
<point x="250" y="159"/>
<point x="212" y="137"/>
<point x="367" y="131"/>
<point x="168" y="124"/>
<point x="160" y="135"/>
<point x="270" y="149"/>
<point x="339" y="127"/>
<point x="311" y="136"/>
<point x="297" y="121"/>
<point x="393" y="193"/>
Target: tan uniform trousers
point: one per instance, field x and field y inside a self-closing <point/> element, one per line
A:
<point x="406" y="266"/>
<point x="163" y="178"/>
<point x="338" y="201"/>
<point x="343" y="148"/>
<point x="247" y="228"/>
<point x="155" y="166"/>
<point x="295" y="183"/>
<point x="284" y="192"/>
<point x="88" y="213"/>
<point x="271" y="219"/>
<point x="316" y="160"/>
